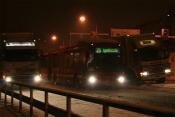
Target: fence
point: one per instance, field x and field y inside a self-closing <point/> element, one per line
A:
<point x="50" y="109"/>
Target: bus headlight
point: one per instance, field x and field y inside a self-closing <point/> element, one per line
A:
<point x="37" y="78"/>
<point x="92" y="79"/>
<point x="167" y="71"/>
<point x="121" y="79"/>
<point x="8" y="79"/>
<point x="145" y="73"/>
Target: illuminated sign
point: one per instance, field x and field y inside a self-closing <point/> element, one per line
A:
<point x="11" y="44"/>
<point x="147" y="42"/>
<point x="106" y="50"/>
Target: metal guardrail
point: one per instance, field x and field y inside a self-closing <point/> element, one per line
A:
<point x="49" y="109"/>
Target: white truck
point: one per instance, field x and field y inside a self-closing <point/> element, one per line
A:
<point x="20" y="57"/>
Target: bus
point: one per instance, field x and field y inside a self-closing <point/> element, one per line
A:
<point x="20" y="58"/>
<point x="91" y="63"/>
<point x="148" y="57"/>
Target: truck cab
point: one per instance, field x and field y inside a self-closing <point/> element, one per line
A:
<point x="147" y="56"/>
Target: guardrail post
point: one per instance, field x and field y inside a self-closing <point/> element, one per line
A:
<point x="0" y="94"/>
<point x="5" y="98"/>
<point x="12" y="95"/>
<point x="20" y="98"/>
<point x="68" y="106"/>
<point x="31" y="102"/>
<point x="105" y="111"/>
<point x="46" y="104"/>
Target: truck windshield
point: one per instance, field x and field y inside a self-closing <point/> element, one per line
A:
<point x="147" y="54"/>
<point x="21" y="55"/>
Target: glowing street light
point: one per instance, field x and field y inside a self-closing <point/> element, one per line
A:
<point x="54" y="37"/>
<point x="82" y="18"/>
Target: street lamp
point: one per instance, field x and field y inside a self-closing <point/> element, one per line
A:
<point x="82" y="19"/>
<point x="54" y="38"/>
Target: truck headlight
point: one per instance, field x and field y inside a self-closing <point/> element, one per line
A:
<point x="121" y="79"/>
<point x="37" y="78"/>
<point x="144" y="73"/>
<point x="8" y="79"/>
<point x="92" y="79"/>
<point x="167" y="71"/>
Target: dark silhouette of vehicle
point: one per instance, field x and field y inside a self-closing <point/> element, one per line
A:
<point x="147" y="56"/>
<point x="97" y="62"/>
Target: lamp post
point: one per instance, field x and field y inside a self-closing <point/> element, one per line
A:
<point x="82" y="20"/>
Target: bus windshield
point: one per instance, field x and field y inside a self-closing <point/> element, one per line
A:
<point x="106" y="58"/>
<point x="21" y="55"/>
<point x="147" y="54"/>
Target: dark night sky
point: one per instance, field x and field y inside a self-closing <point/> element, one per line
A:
<point x="61" y="15"/>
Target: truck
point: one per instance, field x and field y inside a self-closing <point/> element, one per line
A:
<point x="20" y="57"/>
<point x="147" y="56"/>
